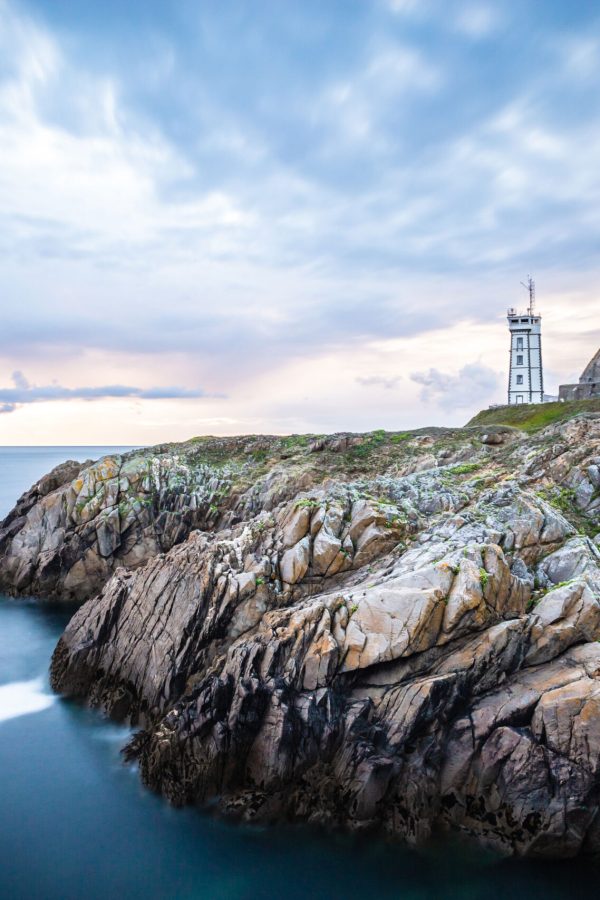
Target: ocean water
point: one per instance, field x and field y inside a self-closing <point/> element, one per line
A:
<point x="76" y="823"/>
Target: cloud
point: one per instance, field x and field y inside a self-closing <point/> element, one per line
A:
<point x="20" y="381"/>
<point x="379" y="381"/>
<point x="343" y="179"/>
<point x="478" y="21"/>
<point x="23" y="392"/>
<point x="474" y="384"/>
<point x="356" y="110"/>
<point x="408" y="8"/>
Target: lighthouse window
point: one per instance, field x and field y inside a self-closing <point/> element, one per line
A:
<point x="519" y="360"/>
<point x="519" y="343"/>
<point x="519" y="379"/>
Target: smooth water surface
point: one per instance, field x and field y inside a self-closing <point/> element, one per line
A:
<point x="76" y="823"/>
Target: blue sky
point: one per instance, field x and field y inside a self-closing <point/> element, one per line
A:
<point x="288" y="216"/>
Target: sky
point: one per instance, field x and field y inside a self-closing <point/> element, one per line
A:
<point x="236" y="216"/>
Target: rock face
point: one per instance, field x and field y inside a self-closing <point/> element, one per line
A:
<point x="68" y="534"/>
<point x="391" y="631"/>
<point x="589" y="383"/>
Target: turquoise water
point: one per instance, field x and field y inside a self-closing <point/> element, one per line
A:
<point x="76" y="823"/>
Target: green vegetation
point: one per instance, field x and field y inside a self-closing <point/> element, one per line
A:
<point x="293" y="441"/>
<point x="563" y="499"/>
<point x="560" y="498"/>
<point x="371" y="441"/>
<point x="400" y="437"/>
<point x="484" y="578"/>
<point x="465" y="468"/>
<point x="306" y="503"/>
<point x="396" y="521"/>
<point x="124" y="506"/>
<point x="361" y="450"/>
<point x="532" y="417"/>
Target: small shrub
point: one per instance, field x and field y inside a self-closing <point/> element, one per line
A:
<point x="306" y="503"/>
<point x="378" y="437"/>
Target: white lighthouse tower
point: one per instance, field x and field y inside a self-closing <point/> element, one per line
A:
<point x="526" y="378"/>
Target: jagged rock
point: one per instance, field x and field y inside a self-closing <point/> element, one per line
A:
<point x="492" y="438"/>
<point x="401" y="633"/>
<point x="294" y="562"/>
<point x="565" y="616"/>
<point x="326" y="548"/>
<point x="296" y="526"/>
<point x="576" y="557"/>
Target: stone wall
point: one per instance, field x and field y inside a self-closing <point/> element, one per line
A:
<point x="581" y="391"/>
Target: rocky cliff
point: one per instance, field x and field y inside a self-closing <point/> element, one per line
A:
<point x="389" y="630"/>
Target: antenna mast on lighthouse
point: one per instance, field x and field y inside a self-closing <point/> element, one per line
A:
<point x="530" y="286"/>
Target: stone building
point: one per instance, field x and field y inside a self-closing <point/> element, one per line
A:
<point x="589" y="383"/>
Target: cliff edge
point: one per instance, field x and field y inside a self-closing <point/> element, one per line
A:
<point x="397" y="631"/>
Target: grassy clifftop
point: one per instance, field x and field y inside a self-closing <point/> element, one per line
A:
<point x="533" y="417"/>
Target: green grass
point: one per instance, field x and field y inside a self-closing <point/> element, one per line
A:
<point x="296" y="441"/>
<point x="465" y="468"/>
<point x="371" y="441"/>
<point x="563" y="499"/>
<point x="532" y="417"/>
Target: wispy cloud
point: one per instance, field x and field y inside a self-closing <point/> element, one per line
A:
<point x="23" y="392"/>
<point x="475" y="383"/>
<point x="379" y="381"/>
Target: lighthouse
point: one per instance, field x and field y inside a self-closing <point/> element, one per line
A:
<point x="526" y="377"/>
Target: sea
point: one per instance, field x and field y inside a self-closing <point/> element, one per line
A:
<point x="75" y="821"/>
